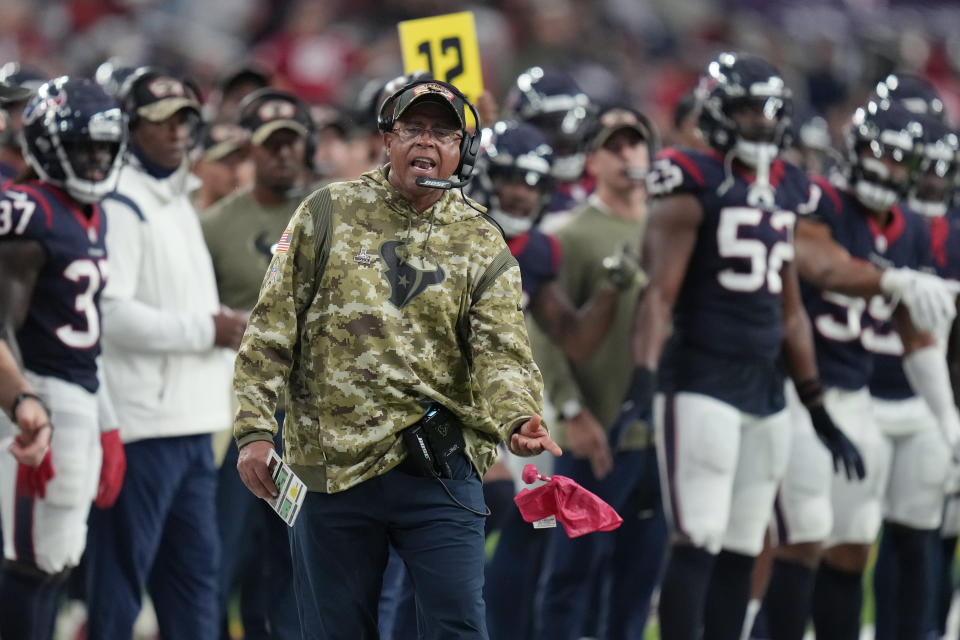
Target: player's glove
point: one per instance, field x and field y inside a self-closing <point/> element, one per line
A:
<point x="112" y="468"/>
<point x="637" y="405"/>
<point x="32" y="480"/>
<point x="623" y="269"/>
<point x="844" y="452"/>
<point x="929" y="299"/>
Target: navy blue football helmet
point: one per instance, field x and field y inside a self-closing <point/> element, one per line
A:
<point x="737" y="81"/>
<point x="881" y="129"/>
<point x="112" y="73"/>
<point x="74" y="135"/>
<point x="554" y="103"/>
<point x="514" y="152"/>
<point x="916" y="94"/>
<point x="937" y="177"/>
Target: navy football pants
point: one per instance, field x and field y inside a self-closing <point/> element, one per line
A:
<point x="161" y="534"/>
<point x="340" y="544"/>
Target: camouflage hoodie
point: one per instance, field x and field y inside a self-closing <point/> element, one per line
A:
<point x="369" y="311"/>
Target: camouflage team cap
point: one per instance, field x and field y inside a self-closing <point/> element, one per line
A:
<point x="431" y="91"/>
<point x="267" y="110"/>
<point x="220" y="140"/>
<point x="156" y="96"/>
<point x="613" y="120"/>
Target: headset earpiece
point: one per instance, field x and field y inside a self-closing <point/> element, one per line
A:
<point x="126" y="91"/>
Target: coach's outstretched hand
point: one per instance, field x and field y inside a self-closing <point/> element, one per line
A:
<point x="532" y="438"/>
<point x="841" y="448"/>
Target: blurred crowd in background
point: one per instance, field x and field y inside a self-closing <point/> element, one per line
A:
<point x="649" y="52"/>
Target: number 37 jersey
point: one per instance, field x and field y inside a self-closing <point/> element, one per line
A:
<point x="61" y="334"/>
<point x="728" y="318"/>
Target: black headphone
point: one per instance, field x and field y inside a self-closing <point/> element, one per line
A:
<point x="301" y="115"/>
<point x="125" y="93"/>
<point x="469" y="146"/>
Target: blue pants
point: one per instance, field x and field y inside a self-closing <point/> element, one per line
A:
<point x="618" y="570"/>
<point x="340" y="544"/>
<point x="397" y="608"/>
<point x="161" y="534"/>
<point x="256" y="558"/>
<point x="511" y="578"/>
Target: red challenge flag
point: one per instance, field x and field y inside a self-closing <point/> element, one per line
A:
<point x="578" y="510"/>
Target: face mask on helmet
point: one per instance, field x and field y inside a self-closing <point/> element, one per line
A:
<point x="554" y="104"/>
<point x="745" y="108"/>
<point x="882" y="146"/>
<point x="74" y="136"/>
<point x="514" y="176"/>
<point x="937" y="176"/>
<point x="518" y="197"/>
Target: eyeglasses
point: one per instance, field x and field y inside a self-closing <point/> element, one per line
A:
<point x="441" y="135"/>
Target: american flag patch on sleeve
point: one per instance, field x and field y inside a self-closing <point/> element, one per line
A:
<point x="284" y="245"/>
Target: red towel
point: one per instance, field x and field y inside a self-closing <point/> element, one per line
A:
<point x="578" y="510"/>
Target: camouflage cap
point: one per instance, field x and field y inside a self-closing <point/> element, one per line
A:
<point x="220" y="140"/>
<point x="615" y="119"/>
<point x="430" y="91"/>
<point x="156" y="96"/>
<point x="268" y="110"/>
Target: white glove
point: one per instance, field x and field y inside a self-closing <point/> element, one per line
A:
<point x="929" y="299"/>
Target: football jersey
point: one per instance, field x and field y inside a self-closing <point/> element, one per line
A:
<point x="728" y="317"/>
<point x="941" y="255"/>
<point x="538" y="255"/>
<point x="945" y="244"/>
<point x="849" y="331"/>
<point x="61" y="334"/>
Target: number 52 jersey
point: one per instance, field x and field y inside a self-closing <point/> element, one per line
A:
<point x="728" y="317"/>
<point x="60" y="336"/>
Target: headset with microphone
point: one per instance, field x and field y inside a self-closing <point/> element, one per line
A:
<point x="246" y="116"/>
<point x="469" y="146"/>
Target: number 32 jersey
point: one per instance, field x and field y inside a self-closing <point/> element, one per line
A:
<point x="847" y="331"/>
<point x="728" y="318"/>
<point x="61" y="334"/>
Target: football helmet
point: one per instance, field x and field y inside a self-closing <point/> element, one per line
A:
<point x="111" y="75"/>
<point x="915" y="93"/>
<point x="937" y="177"/>
<point x="13" y="73"/>
<point x="881" y="129"/>
<point x="74" y="136"/>
<point x="736" y="82"/>
<point x="514" y="152"/>
<point x="21" y="83"/>
<point x="554" y="103"/>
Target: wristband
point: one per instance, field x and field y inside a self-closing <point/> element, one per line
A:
<point x="810" y="391"/>
<point x="26" y="395"/>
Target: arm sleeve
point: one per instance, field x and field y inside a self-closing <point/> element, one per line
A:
<point x="503" y="366"/>
<point x="267" y="352"/>
<point x="130" y="323"/>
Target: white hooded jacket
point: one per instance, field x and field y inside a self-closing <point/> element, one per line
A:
<point x="165" y="375"/>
